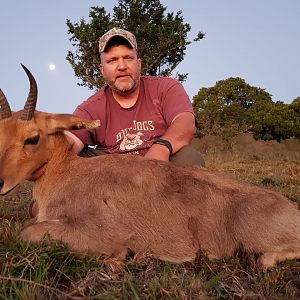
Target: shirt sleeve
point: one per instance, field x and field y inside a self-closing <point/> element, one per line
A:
<point x="174" y="100"/>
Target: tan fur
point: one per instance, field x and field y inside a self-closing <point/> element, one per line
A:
<point x="109" y="203"/>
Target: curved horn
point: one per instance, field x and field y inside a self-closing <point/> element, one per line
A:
<point x="30" y="104"/>
<point x="5" y="109"/>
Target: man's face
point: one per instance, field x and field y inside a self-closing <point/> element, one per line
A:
<point x="121" y="69"/>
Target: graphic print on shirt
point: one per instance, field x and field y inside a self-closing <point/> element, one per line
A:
<point x="131" y="140"/>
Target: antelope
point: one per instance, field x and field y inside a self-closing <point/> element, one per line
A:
<point x="111" y="203"/>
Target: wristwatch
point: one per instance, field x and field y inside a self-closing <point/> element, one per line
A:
<point x="164" y="143"/>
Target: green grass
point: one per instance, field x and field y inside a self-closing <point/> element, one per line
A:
<point x="50" y="271"/>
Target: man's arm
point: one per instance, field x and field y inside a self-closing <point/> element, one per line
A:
<point x="76" y="144"/>
<point x="179" y="134"/>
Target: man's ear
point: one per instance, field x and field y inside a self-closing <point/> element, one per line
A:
<point x="60" y="122"/>
<point x="101" y="69"/>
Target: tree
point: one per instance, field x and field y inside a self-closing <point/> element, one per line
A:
<point x="232" y="106"/>
<point x="295" y="105"/>
<point x="162" y="38"/>
<point x="224" y="106"/>
<point x="273" y="121"/>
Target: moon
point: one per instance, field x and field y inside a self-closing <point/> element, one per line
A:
<point x="52" y="67"/>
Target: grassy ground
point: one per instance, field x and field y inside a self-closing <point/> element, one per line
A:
<point x="49" y="271"/>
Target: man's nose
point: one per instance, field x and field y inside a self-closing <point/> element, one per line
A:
<point x="122" y="64"/>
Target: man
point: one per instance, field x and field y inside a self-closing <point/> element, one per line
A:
<point x="147" y="116"/>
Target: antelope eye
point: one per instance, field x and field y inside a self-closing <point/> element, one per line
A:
<point x="32" y="140"/>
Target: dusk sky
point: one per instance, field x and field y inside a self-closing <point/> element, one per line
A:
<point x="257" y="40"/>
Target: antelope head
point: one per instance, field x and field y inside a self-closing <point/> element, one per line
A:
<point x="25" y="146"/>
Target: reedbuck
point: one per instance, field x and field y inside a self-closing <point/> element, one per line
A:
<point x="109" y="204"/>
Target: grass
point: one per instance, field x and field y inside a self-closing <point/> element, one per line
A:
<point x="50" y="271"/>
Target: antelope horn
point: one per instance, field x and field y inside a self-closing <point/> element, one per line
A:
<point x="30" y="104"/>
<point x="5" y="109"/>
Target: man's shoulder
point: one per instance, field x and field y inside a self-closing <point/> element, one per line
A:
<point x="158" y="86"/>
<point x="159" y="80"/>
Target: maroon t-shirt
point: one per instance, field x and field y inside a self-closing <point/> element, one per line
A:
<point x="133" y="129"/>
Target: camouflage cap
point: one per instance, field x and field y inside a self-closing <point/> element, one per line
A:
<point x="116" y="32"/>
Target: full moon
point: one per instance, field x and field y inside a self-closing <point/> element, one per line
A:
<point x="52" y="67"/>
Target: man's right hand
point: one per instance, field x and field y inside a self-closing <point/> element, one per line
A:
<point x="76" y="144"/>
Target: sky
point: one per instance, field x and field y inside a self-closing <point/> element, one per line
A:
<point x="257" y="40"/>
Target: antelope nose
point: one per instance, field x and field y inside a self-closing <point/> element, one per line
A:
<point x="1" y="183"/>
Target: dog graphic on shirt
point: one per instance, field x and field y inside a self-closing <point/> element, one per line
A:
<point x="131" y="141"/>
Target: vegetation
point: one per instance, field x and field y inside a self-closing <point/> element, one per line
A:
<point x="162" y="38"/>
<point x="50" y="271"/>
<point x="232" y="106"/>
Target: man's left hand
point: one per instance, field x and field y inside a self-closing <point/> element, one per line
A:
<point x="159" y="152"/>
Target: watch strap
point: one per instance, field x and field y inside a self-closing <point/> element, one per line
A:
<point x="164" y="143"/>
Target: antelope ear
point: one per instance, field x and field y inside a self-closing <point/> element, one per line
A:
<point x="60" y="122"/>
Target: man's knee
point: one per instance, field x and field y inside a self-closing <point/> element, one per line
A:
<point x="188" y="156"/>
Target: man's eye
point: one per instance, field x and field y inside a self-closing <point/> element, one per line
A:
<point x="32" y="140"/>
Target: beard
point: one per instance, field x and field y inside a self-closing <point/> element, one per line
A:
<point x="124" y="89"/>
